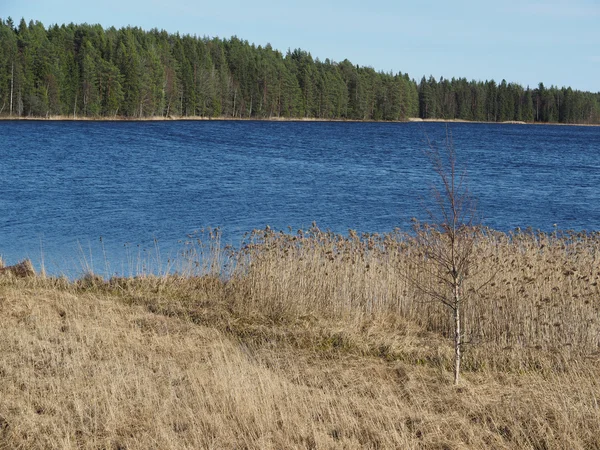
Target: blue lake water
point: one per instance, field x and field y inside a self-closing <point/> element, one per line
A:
<point x="66" y="186"/>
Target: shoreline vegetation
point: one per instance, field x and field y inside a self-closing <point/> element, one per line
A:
<point x="83" y="70"/>
<point x="309" y="340"/>
<point x="274" y="119"/>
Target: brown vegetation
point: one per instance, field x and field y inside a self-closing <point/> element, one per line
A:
<point x="311" y="340"/>
<point x="21" y="270"/>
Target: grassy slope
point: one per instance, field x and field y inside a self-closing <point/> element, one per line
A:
<point x="274" y="359"/>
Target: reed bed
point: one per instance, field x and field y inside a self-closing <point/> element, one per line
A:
<point x="533" y="297"/>
<point x="308" y="340"/>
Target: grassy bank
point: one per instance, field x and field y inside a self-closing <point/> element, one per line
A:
<point x="309" y="340"/>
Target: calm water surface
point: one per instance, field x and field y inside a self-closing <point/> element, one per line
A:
<point x="68" y="185"/>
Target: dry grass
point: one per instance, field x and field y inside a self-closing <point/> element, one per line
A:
<point x="311" y="340"/>
<point x="21" y="270"/>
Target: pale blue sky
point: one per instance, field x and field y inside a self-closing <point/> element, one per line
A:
<point x="524" y="41"/>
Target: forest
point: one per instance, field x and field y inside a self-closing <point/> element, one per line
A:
<point x="86" y="71"/>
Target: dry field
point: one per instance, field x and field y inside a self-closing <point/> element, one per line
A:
<point x="308" y="340"/>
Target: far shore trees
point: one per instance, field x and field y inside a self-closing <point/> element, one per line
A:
<point x="88" y="71"/>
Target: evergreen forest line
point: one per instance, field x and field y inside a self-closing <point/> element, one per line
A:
<point x="87" y="71"/>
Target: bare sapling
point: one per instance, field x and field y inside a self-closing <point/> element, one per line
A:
<point x="447" y="241"/>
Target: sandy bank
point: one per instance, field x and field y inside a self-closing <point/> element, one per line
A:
<point x="270" y="119"/>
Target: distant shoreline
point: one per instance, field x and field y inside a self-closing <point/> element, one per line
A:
<point x="273" y="119"/>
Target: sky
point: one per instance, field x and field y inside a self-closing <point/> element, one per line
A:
<point x="556" y="42"/>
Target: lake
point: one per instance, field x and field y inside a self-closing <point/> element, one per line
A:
<point x="79" y="195"/>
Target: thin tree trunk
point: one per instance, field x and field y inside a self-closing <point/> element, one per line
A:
<point x="457" y="332"/>
<point x="12" y="82"/>
<point x="234" y="98"/>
